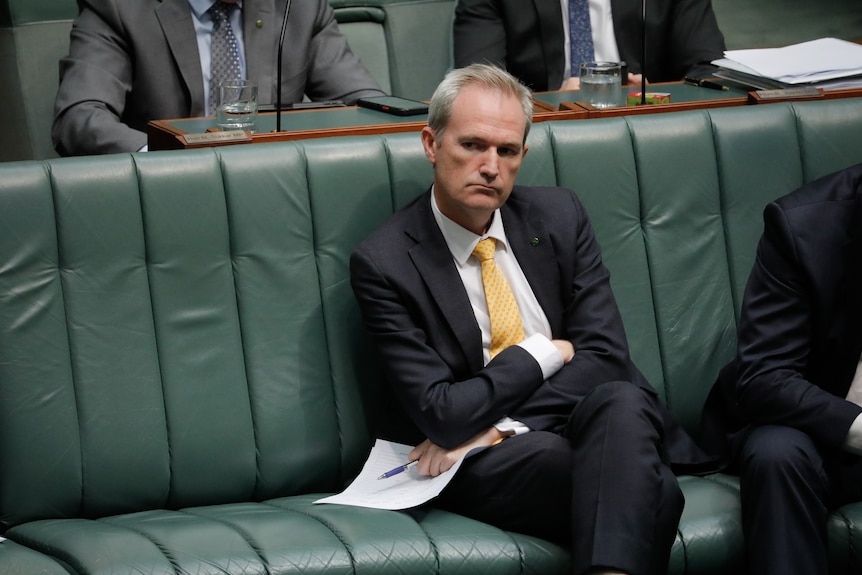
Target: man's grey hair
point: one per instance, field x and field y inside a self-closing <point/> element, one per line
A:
<point x="483" y="75"/>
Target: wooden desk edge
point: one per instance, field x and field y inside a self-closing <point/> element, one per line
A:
<point x="161" y="135"/>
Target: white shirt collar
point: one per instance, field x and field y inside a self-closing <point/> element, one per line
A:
<point x="462" y="241"/>
<point x="200" y="7"/>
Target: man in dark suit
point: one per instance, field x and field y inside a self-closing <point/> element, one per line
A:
<point x="790" y="402"/>
<point x="527" y="38"/>
<point x="579" y="448"/>
<point x="131" y="62"/>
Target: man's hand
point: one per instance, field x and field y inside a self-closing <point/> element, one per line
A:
<point x="434" y="460"/>
<point x="635" y="79"/>
<point x="573" y="83"/>
<point x="566" y="349"/>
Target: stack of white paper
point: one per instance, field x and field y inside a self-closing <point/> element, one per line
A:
<point x="814" y="62"/>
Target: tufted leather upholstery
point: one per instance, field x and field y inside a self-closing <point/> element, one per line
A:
<point x="183" y="368"/>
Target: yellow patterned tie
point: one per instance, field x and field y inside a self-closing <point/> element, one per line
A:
<point x="506" y="326"/>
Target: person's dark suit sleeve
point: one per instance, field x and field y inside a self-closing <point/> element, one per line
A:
<point x="695" y="39"/>
<point x="775" y="343"/>
<point x="590" y="320"/>
<point x="418" y="350"/>
<point x="479" y="33"/>
<point x="95" y="79"/>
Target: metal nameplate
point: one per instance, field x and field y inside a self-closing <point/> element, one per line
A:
<point x="804" y="92"/>
<point x="217" y="137"/>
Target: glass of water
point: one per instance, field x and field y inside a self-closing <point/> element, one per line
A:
<point x="601" y="84"/>
<point x="237" y="105"/>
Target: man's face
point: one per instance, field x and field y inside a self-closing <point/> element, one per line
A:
<point x="477" y="156"/>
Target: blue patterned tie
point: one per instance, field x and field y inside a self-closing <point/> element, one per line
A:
<point x="580" y="35"/>
<point x="224" y="54"/>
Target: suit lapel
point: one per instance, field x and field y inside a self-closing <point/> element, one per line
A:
<point x="434" y="263"/>
<point x="534" y="251"/>
<point x="178" y="27"/>
<point x="261" y="44"/>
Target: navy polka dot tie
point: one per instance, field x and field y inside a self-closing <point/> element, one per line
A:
<point x="224" y="54"/>
<point x="580" y="34"/>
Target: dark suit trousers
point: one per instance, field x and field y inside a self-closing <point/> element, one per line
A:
<point x="602" y="487"/>
<point x="788" y="487"/>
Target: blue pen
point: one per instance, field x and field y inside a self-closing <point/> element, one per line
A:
<point x="399" y="469"/>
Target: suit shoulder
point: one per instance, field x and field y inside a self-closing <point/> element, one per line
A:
<point x="825" y="211"/>
<point x="841" y="187"/>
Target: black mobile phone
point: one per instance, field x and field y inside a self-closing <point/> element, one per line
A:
<point x="394" y="105"/>
<point x="302" y="106"/>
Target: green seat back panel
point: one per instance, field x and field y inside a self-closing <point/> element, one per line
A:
<point x="19" y="12"/>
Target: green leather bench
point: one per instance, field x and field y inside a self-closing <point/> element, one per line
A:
<point x="183" y="368"/>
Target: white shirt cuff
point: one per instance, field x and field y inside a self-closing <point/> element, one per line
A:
<point x="853" y="441"/>
<point x="508" y="424"/>
<point x="544" y="352"/>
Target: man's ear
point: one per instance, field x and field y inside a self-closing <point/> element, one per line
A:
<point x="429" y="140"/>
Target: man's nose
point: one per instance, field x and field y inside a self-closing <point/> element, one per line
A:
<point x="490" y="163"/>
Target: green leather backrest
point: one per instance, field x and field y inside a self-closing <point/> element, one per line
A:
<point x="20" y="12"/>
<point x="405" y="44"/>
<point x="163" y="340"/>
<point x="364" y="28"/>
<point x="34" y="35"/>
<point x="178" y="328"/>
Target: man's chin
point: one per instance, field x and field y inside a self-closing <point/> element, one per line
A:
<point x="483" y="194"/>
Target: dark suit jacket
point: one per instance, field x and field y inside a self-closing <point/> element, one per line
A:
<point x="800" y="332"/>
<point x="416" y="308"/>
<point x="526" y="37"/>
<point x="132" y="61"/>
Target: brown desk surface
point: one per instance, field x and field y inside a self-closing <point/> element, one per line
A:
<point x="682" y="97"/>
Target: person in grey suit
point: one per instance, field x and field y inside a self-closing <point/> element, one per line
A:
<point x="527" y="38"/>
<point x="132" y="61"/>
<point x="577" y="448"/>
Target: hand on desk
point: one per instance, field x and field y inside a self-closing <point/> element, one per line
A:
<point x="434" y="460"/>
<point x="574" y="83"/>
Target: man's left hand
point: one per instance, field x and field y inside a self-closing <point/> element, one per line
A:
<point x="434" y="460"/>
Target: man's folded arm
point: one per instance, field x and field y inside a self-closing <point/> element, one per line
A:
<point x="592" y="323"/>
<point x="446" y="408"/>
